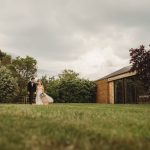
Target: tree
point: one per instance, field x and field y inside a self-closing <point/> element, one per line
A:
<point x="53" y="87"/>
<point x="68" y="75"/>
<point x="21" y="68"/>
<point x="5" y="59"/>
<point x="45" y="81"/>
<point x="8" y="85"/>
<point x="24" y="69"/>
<point x="140" y="60"/>
<point x="69" y="87"/>
<point x="2" y="54"/>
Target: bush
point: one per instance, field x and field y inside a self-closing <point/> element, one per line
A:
<point x="70" y="88"/>
<point x="76" y="91"/>
<point x="8" y="86"/>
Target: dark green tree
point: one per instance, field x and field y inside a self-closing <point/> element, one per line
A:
<point x="69" y="87"/>
<point x="24" y="69"/>
<point x="5" y="59"/>
<point x="8" y="85"/>
<point x="140" y="60"/>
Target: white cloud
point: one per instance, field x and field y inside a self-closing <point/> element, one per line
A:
<point x="91" y="36"/>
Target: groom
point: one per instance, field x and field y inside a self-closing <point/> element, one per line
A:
<point x="31" y="90"/>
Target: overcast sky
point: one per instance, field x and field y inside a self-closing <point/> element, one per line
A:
<point x="92" y="37"/>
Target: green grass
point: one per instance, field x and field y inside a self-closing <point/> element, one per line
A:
<point x="75" y="127"/>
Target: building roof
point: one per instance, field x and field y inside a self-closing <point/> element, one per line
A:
<point x="116" y="73"/>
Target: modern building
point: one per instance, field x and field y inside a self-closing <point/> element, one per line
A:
<point x="119" y="87"/>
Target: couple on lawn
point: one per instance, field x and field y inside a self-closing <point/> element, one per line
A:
<point x="38" y="89"/>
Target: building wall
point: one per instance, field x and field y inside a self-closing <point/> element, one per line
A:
<point x="105" y="88"/>
<point x="111" y="92"/>
<point x="102" y="95"/>
<point x="121" y="76"/>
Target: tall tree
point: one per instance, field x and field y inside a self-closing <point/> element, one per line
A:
<point x="24" y="69"/>
<point x="8" y="85"/>
<point x="140" y="60"/>
<point x="5" y="59"/>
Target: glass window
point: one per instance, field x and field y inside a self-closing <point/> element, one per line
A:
<point x="127" y="90"/>
<point x="119" y="91"/>
<point x="130" y="90"/>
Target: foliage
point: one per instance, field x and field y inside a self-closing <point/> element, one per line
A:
<point x="8" y="85"/>
<point x="21" y="68"/>
<point x="140" y="60"/>
<point x="53" y="88"/>
<point x="24" y="69"/>
<point x="69" y="87"/>
<point x="5" y="59"/>
<point x="68" y="75"/>
<point x="45" y="82"/>
<point x="78" y="90"/>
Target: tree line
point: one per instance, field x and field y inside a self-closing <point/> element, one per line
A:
<point x="14" y="75"/>
<point x="67" y="87"/>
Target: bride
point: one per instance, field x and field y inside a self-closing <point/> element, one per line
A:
<point x="41" y="97"/>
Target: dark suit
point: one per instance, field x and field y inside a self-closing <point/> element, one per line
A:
<point x="31" y="89"/>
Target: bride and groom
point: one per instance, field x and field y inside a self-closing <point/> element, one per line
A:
<point x="38" y="89"/>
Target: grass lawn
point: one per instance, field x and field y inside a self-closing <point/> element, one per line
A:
<point x="75" y="127"/>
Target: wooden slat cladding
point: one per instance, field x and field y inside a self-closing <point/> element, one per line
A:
<point x="111" y="92"/>
<point x="121" y="76"/>
<point x="102" y="91"/>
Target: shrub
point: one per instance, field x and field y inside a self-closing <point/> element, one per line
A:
<point x="70" y="88"/>
<point x="8" y="86"/>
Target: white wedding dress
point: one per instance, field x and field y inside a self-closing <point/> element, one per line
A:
<point x="38" y="99"/>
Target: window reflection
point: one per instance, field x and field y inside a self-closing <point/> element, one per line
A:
<point x="128" y="90"/>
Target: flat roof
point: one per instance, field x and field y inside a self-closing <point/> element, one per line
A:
<point x="116" y="73"/>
